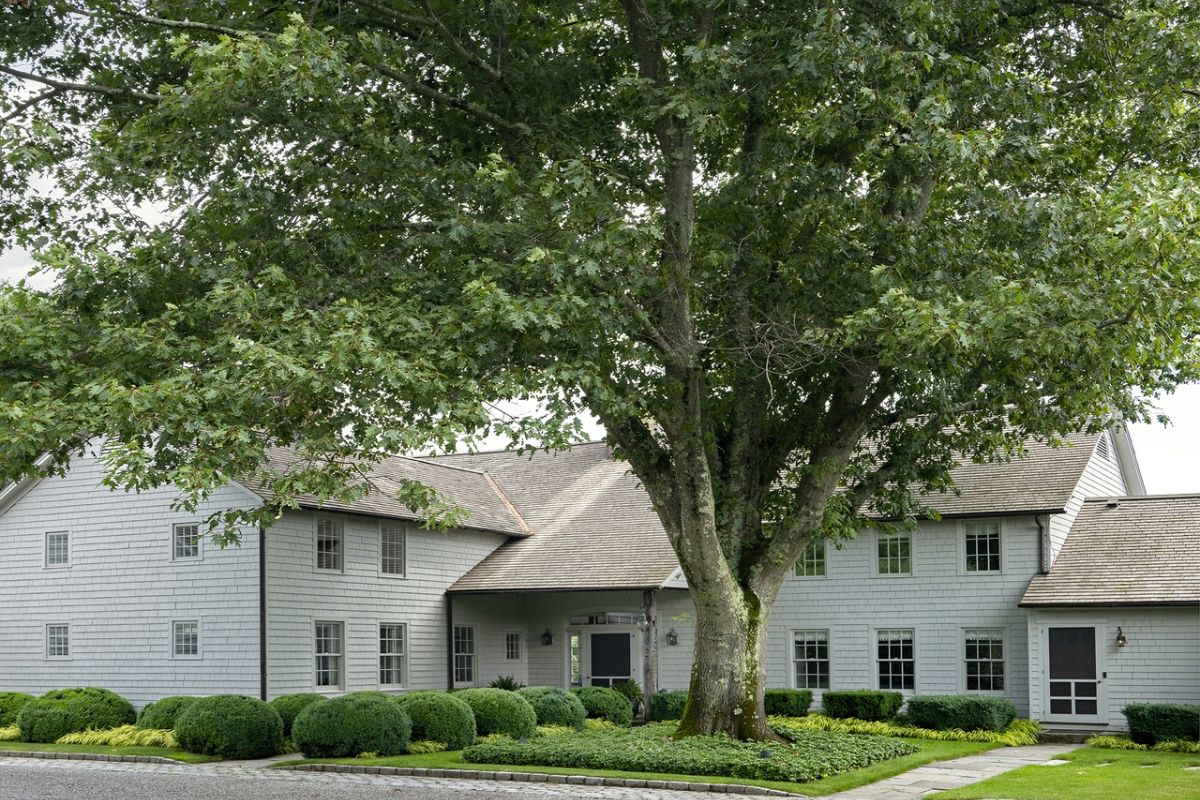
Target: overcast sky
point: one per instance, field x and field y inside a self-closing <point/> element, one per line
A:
<point x="1168" y="456"/>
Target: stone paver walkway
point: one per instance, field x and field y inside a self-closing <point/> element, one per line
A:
<point x="943" y="775"/>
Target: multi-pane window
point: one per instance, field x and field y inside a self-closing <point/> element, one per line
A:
<point x="391" y="550"/>
<point x="811" y="659"/>
<point x="185" y="638"/>
<point x="186" y="540"/>
<point x="391" y="654"/>
<point x="58" y="641"/>
<point x="575" y="651"/>
<point x="512" y="646"/>
<point x="329" y="544"/>
<point x="58" y="549"/>
<point x="895" y="553"/>
<point x="984" y="660"/>
<point x="330" y="655"/>
<point x="982" y="546"/>
<point x="896" y="659"/>
<point x="464" y="654"/>
<point x="812" y="561"/>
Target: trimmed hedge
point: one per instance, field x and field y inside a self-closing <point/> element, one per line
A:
<point x="63" y="711"/>
<point x="604" y="703"/>
<point x="10" y="704"/>
<point x="667" y="705"/>
<point x="554" y="706"/>
<point x="161" y="714"/>
<point x="787" y="702"/>
<point x="439" y="717"/>
<point x="230" y="726"/>
<point x="862" y="704"/>
<point x="500" y="711"/>
<point x="962" y="712"/>
<point x="353" y="724"/>
<point x="1151" y="723"/>
<point x="288" y="706"/>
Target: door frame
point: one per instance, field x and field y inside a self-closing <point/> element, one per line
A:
<point x="1101" y="715"/>
<point x="585" y="651"/>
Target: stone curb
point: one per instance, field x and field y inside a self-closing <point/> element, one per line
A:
<point x="87" y="756"/>
<point x="541" y="777"/>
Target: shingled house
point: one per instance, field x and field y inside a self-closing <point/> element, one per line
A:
<point x="1050" y="581"/>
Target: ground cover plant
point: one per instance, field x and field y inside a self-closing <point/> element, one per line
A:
<point x="1125" y="743"/>
<point x="1018" y="732"/>
<point x="10" y="733"/>
<point x="650" y="748"/>
<point x="124" y="736"/>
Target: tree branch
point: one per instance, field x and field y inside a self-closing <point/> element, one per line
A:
<point x="450" y="101"/>
<point x="21" y="107"/>
<point x="72" y="86"/>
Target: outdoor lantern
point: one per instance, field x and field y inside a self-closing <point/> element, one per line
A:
<point x="672" y="637"/>
<point x="1121" y="640"/>
<point x="547" y="638"/>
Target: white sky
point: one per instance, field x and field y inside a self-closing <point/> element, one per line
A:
<point x="1168" y="456"/>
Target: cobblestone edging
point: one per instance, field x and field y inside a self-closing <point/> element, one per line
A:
<point x="88" y="756"/>
<point x="541" y="777"/>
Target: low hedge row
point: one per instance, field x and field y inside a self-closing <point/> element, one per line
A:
<point x="62" y="711"/>
<point x="787" y="702"/>
<point x="861" y="704"/>
<point x="1019" y="732"/>
<point x="600" y="702"/>
<point x="352" y="724"/>
<point x="554" y="706"/>
<point x="1151" y="723"/>
<point x="1125" y="743"/>
<point x="439" y="717"/>
<point x="961" y="712"/>
<point x="667" y="705"/>
<point x="650" y="749"/>
<point x="230" y="726"/>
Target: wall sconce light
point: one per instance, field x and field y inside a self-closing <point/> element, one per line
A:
<point x="1121" y="640"/>
<point x="672" y="637"/>
<point x="547" y="638"/>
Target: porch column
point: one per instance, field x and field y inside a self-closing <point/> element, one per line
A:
<point x="650" y="648"/>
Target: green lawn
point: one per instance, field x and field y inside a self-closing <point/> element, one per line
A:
<point x="929" y="751"/>
<point x="165" y="752"/>
<point x="1095" y="774"/>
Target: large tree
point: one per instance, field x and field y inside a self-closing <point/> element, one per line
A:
<point x="798" y="257"/>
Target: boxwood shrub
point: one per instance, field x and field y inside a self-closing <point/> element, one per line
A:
<point x="964" y="712"/>
<point x="500" y="711"/>
<point x="439" y="717"/>
<point x="862" y="704"/>
<point x="604" y="703"/>
<point x="353" y="724"/>
<point x="1151" y="723"/>
<point x="63" y="711"/>
<point x="161" y="714"/>
<point x="667" y="705"/>
<point x="289" y="705"/>
<point x="554" y="706"/>
<point x="230" y="726"/>
<point x="787" y="702"/>
<point x="10" y="704"/>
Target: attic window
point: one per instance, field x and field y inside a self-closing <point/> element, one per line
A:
<point x="1102" y="448"/>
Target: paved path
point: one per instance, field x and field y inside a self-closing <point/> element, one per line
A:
<point x="942" y="775"/>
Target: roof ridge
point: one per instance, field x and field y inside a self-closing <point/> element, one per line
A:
<point x="499" y="450"/>
<point x="1132" y="498"/>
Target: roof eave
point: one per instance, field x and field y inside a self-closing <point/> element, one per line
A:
<point x="1107" y="603"/>
<point x="546" y="589"/>
<point x="1008" y="512"/>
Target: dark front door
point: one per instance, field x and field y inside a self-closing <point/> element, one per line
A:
<point x="611" y="658"/>
<point x="1074" y="679"/>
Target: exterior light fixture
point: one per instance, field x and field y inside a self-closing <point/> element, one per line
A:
<point x="547" y="638"/>
<point x="1121" y="640"/>
<point x="672" y="637"/>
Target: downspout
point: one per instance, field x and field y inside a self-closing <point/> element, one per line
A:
<point x="449" y="642"/>
<point x="262" y="613"/>
<point x="1043" y="567"/>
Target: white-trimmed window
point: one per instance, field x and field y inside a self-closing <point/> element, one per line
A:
<point x="812" y="560"/>
<point x="58" y="640"/>
<point x="393" y="550"/>
<point x="896" y="659"/>
<point x="893" y="553"/>
<point x="981" y="546"/>
<point x="391" y="654"/>
<point x="185" y="638"/>
<point x="331" y="656"/>
<point x="331" y="536"/>
<point x="983" y="659"/>
<point x="512" y="646"/>
<point x="58" y="549"/>
<point x="810" y="655"/>
<point x="185" y="541"/>
<point x="464" y="655"/>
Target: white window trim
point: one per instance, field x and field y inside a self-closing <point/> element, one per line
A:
<point x="199" y="640"/>
<point x="912" y="556"/>
<point x="474" y="655"/>
<point x="383" y="523"/>
<point x="316" y="535"/>
<point x="962" y="546"/>
<point x="46" y="642"/>
<point x="46" y="549"/>
<point x="199" y="545"/>
<point x="404" y="662"/>
<point x="1005" y="641"/>
<point x="798" y="576"/>
<point x="874" y="644"/>
<point x="312" y="644"/>
<point x="791" y="659"/>
<point x="521" y="659"/>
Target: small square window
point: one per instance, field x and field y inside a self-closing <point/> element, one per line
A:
<point x="186" y="542"/>
<point x="330" y="535"/>
<point x="392" y="550"/>
<point x="58" y="549"/>
<point x="981" y="547"/>
<point x="812" y="561"/>
<point x="185" y="639"/>
<point x="58" y="641"/>
<point x="512" y="646"/>
<point x="894" y="554"/>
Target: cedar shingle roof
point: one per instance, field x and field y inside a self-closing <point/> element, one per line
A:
<point x="476" y="493"/>
<point x="1142" y="551"/>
